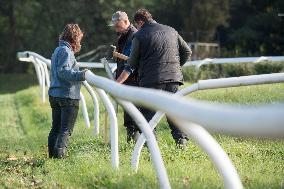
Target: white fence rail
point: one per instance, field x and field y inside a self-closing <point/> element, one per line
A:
<point x="196" y="63"/>
<point x="199" y="63"/>
<point x="206" y="61"/>
<point x="192" y="116"/>
<point x="209" y="84"/>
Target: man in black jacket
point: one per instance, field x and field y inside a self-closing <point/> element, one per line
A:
<point x="125" y="32"/>
<point x="158" y="52"/>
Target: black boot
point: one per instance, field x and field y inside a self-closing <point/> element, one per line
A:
<point x="132" y="136"/>
<point x="136" y="136"/>
<point x="181" y="143"/>
<point x="60" y="148"/>
<point x="60" y="152"/>
<point x="50" y="152"/>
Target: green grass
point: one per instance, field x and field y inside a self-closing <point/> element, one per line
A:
<point x="25" y="123"/>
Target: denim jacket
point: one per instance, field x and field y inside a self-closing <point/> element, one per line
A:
<point x="65" y="75"/>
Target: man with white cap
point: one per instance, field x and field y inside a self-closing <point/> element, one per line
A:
<point x="125" y="31"/>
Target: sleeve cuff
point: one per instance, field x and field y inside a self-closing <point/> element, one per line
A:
<point x="82" y="75"/>
<point x="128" y="70"/>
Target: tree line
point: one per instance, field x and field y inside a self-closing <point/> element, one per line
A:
<point x="242" y="27"/>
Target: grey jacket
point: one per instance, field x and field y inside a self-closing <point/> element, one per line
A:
<point x="64" y="74"/>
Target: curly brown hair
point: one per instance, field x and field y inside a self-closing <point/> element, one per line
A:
<point x="73" y="35"/>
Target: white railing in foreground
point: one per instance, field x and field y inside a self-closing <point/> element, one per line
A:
<point x="202" y="85"/>
<point x="242" y="119"/>
<point x="191" y="123"/>
<point x="130" y="108"/>
<point x="96" y="107"/>
<point x="227" y="170"/>
<point x="146" y="129"/>
<point x="203" y="138"/>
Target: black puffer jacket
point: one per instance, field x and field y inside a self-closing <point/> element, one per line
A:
<point x="159" y="55"/>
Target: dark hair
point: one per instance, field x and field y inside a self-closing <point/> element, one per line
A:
<point x="73" y="35"/>
<point x="142" y="15"/>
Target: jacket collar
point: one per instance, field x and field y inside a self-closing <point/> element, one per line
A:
<point x="65" y="43"/>
<point x="148" y="23"/>
<point x="127" y="30"/>
<point x="126" y="33"/>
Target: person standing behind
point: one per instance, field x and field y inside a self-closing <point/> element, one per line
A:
<point x="158" y="52"/>
<point x="64" y="91"/>
<point x="125" y="31"/>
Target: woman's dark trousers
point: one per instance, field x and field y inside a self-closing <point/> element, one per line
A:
<point x="64" y="114"/>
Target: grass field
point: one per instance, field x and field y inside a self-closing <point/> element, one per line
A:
<point x="25" y="123"/>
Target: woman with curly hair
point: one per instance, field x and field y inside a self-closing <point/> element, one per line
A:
<point x="64" y="91"/>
